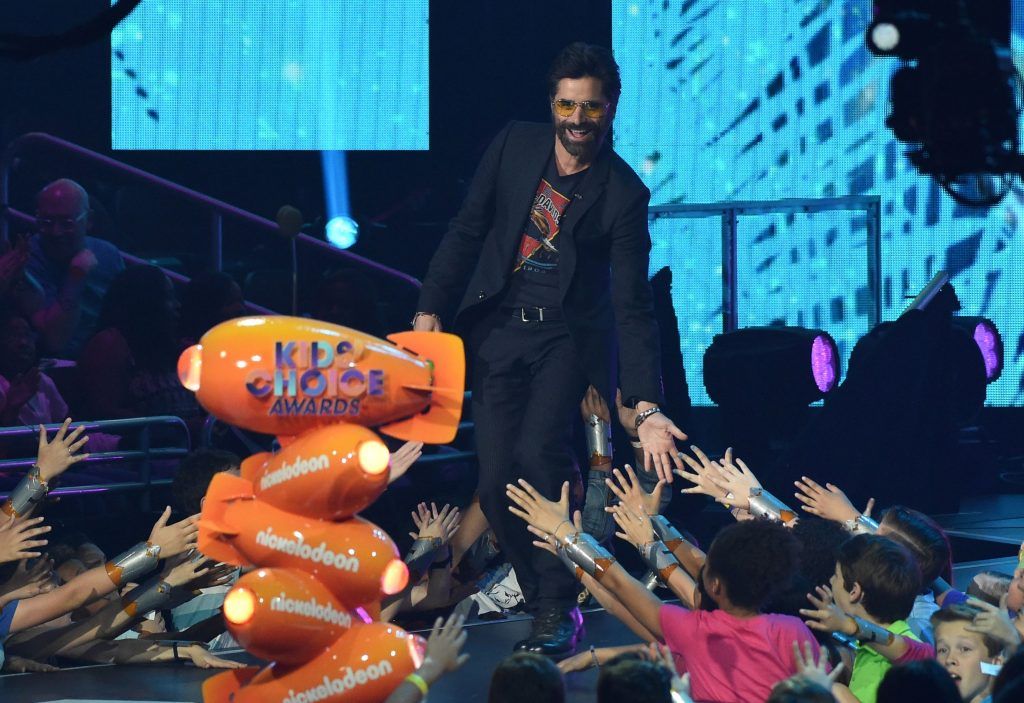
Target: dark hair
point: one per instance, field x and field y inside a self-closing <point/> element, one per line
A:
<point x="202" y="300"/>
<point x="923" y="680"/>
<point x="634" y="678"/>
<point x="965" y="613"/>
<point x="925" y="538"/>
<point x="799" y="690"/>
<point x="526" y="677"/>
<point x="194" y="475"/>
<point x="817" y="540"/>
<point x="136" y="306"/>
<point x="1009" y="684"/>
<point x="61" y="553"/>
<point x="755" y="560"/>
<point x="887" y="573"/>
<point x="580" y="59"/>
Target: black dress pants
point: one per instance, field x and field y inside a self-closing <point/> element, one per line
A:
<point x="527" y="387"/>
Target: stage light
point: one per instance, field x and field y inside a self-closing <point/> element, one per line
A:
<point x="990" y="343"/>
<point x="342" y="232"/>
<point x="883" y="38"/>
<point x="394" y="578"/>
<point x="239" y="606"/>
<point x="374" y="457"/>
<point x="791" y="366"/>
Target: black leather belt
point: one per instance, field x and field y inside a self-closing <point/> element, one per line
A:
<point x="531" y="314"/>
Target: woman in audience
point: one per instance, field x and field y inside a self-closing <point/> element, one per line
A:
<point x="129" y="367"/>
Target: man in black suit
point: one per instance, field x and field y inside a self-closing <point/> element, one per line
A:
<point x="552" y="239"/>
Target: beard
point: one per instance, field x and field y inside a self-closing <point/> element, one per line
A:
<point x="576" y="148"/>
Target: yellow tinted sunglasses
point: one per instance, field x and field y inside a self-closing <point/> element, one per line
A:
<point x="591" y="108"/>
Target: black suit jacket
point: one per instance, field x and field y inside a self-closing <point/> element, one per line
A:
<point x="603" y="247"/>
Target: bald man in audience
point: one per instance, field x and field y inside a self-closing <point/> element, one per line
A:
<point x="68" y="272"/>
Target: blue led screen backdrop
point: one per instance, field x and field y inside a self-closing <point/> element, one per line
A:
<point x="275" y="74"/>
<point x="760" y="100"/>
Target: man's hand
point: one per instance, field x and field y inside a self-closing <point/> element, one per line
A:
<point x="426" y="322"/>
<point x="829" y="502"/>
<point x="826" y="616"/>
<point x="636" y="529"/>
<point x="537" y="510"/>
<point x="174" y="539"/>
<point x="434" y="524"/>
<point x="82" y="263"/>
<point x="407" y="455"/>
<point x="631" y="494"/>
<point x="16" y="538"/>
<point x="658" y="436"/>
<point x="593" y="404"/>
<point x="55" y="457"/>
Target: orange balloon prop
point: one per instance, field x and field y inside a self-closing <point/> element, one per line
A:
<point x="292" y="514"/>
<point x="286" y="375"/>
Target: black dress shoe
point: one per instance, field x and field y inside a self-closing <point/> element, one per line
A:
<point x="555" y="633"/>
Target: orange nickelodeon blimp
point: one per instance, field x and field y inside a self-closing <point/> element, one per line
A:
<point x="320" y="569"/>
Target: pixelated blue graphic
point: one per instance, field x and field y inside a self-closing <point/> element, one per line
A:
<point x="275" y="74"/>
<point x="760" y="100"/>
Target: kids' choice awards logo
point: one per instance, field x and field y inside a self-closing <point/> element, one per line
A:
<point x="314" y="378"/>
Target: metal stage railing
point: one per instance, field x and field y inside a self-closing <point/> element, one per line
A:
<point x="218" y="209"/>
<point x="143" y="455"/>
<point x="730" y="212"/>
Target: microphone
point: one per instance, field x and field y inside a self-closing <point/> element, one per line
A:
<point x="289" y="221"/>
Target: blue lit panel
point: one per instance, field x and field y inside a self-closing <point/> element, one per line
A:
<point x="275" y="74"/>
<point x="757" y="100"/>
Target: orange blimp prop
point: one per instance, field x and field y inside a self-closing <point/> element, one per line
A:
<point x="319" y="569"/>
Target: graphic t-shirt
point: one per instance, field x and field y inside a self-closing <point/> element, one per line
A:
<point x="535" y="272"/>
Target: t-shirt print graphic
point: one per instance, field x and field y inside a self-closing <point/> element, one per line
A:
<point x="537" y="249"/>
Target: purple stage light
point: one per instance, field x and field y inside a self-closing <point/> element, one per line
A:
<point x="986" y="336"/>
<point x="824" y="363"/>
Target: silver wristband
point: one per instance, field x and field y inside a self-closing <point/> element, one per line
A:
<point x="134" y="563"/>
<point x="862" y="524"/>
<point x="667" y="531"/>
<point x="586" y="552"/>
<point x="764" y="504"/>
<point x="146" y="599"/>
<point x="650" y="580"/>
<point x="422" y="553"/>
<point x="870" y="633"/>
<point x="599" y="439"/>
<point x="659" y="559"/>
<point x="27" y="494"/>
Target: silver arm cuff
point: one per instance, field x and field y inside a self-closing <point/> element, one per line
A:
<point x="862" y="525"/>
<point x="27" y="494"/>
<point x="870" y="633"/>
<point x="422" y="553"/>
<point x="587" y="553"/>
<point x="764" y="504"/>
<point x="134" y="563"/>
<point x="659" y="559"/>
<point x="146" y="599"/>
<point x="666" y="531"/>
<point x="599" y="439"/>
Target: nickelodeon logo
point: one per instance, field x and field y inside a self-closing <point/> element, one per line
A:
<point x="299" y="467"/>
